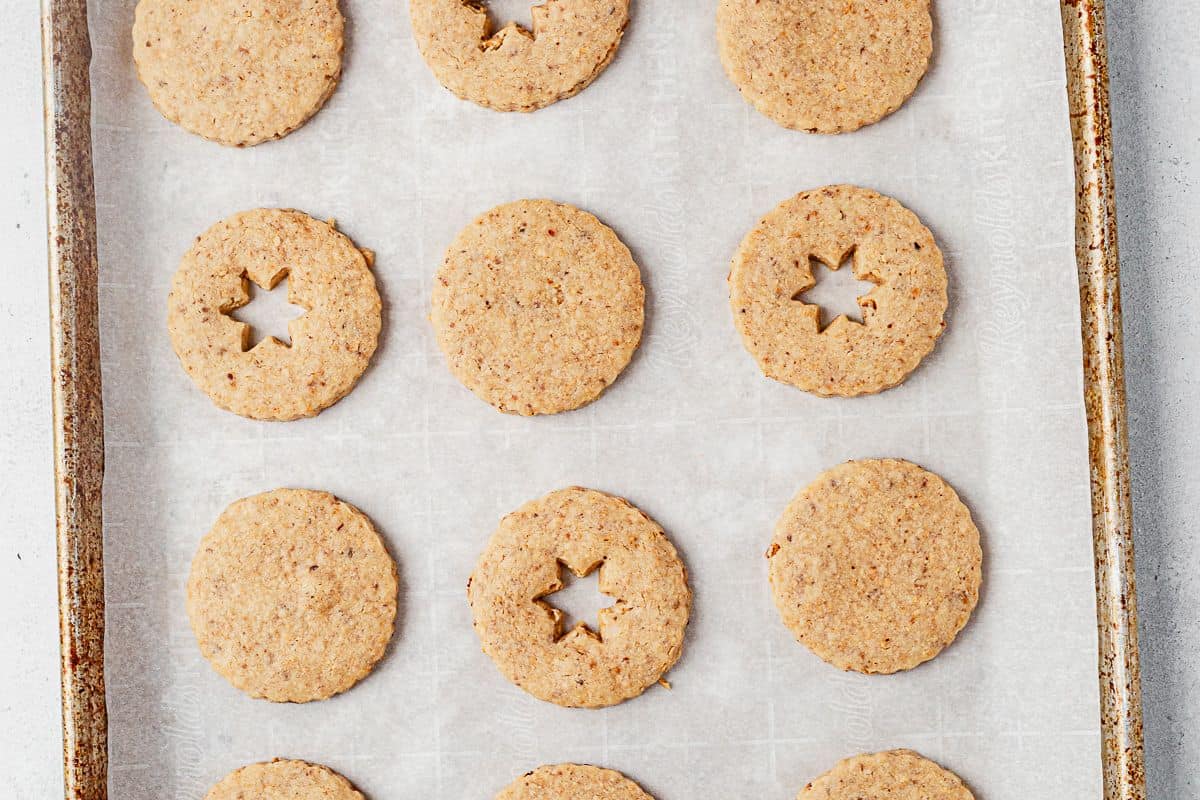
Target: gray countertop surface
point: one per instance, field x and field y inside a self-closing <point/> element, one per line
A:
<point x="1155" y="64"/>
<point x="1155" y="70"/>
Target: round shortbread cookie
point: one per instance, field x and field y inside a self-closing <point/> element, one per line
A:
<point x="238" y="72"/>
<point x="331" y="344"/>
<point x="825" y="66"/>
<point x="895" y="774"/>
<point x="902" y="316"/>
<point x="292" y="595"/>
<point x="538" y="307"/>
<point x="876" y="566"/>
<point x="283" y="780"/>
<point x="640" y="635"/>
<point x="573" y="782"/>
<point x="514" y="69"/>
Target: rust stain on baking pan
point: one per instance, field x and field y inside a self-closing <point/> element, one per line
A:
<point x="1104" y="399"/>
<point x="77" y="403"/>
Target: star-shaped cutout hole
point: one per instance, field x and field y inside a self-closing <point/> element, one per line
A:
<point x="502" y="13"/>
<point x="835" y="292"/>
<point x="578" y="600"/>
<point x="267" y="312"/>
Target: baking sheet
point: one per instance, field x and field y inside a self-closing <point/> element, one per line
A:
<point x="662" y="148"/>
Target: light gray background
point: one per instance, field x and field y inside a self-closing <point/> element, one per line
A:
<point x="1155" y="62"/>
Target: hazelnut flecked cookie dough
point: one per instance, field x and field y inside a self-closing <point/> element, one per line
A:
<point x="902" y="317"/>
<point x="515" y="69"/>
<point x="292" y="595"/>
<point x="331" y="344"/>
<point x="825" y="66"/>
<point x="895" y="774"/>
<point x="238" y="72"/>
<point x="876" y="566"/>
<point x="283" y="780"/>
<point x="538" y="307"/>
<point x="640" y="635"/>
<point x="573" y="782"/>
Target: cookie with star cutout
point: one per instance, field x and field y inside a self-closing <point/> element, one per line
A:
<point x="331" y="343"/>
<point x="638" y="638"/>
<point x="902" y="317"/>
<point x="515" y="68"/>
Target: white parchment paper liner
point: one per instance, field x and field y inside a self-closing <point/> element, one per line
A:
<point x="663" y="149"/>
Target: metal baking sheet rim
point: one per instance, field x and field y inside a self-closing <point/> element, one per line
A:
<point x="79" y="423"/>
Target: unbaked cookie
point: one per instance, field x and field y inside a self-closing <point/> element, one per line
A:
<point x="538" y="306"/>
<point x="825" y="66"/>
<point x="283" y="780"/>
<point x="514" y="69"/>
<point x="902" y="317"/>
<point x="876" y="566"/>
<point x="895" y="774"/>
<point x="573" y="782"/>
<point x="639" y="637"/>
<point x="238" y="72"/>
<point x="292" y="595"/>
<point x="331" y="343"/>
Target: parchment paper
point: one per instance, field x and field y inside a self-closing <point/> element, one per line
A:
<point x="663" y="149"/>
